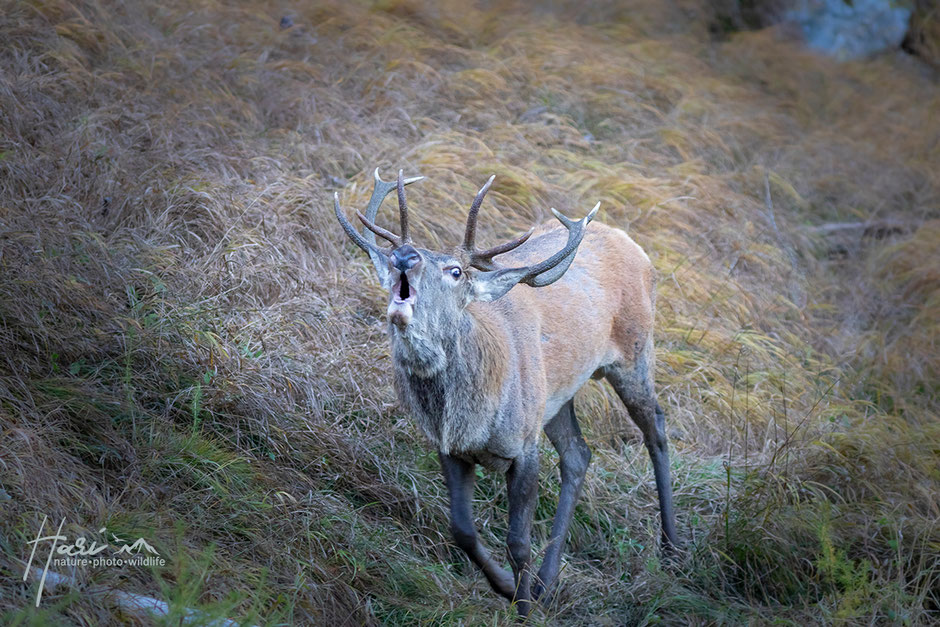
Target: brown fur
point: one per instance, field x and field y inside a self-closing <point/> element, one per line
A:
<point x="512" y="363"/>
<point x="492" y="366"/>
<point x="600" y="312"/>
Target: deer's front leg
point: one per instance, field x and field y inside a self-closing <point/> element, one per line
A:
<point x="575" y="456"/>
<point x="459" y="477"/>
<point x="522" y="484"/>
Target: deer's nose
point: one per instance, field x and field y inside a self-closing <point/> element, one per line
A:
<point x="405" y="258"/>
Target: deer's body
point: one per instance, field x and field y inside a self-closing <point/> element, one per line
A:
<point x="485" y="365"/>
<point x="511" y="364"/>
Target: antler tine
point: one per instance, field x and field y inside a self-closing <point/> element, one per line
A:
<point x="483" y="259"/>
<point x="375" y="228"/>
<point x="552" y="269"/>
<point x="471" y="234"/>
<point x="402" y="211"/>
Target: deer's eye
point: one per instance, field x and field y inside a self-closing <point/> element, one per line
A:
<point x="454" y="272"/>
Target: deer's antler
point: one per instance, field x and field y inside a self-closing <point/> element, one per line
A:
<point x="396" y="240"/>
<point x="483" y="259"/>
<point x="550" y="270"/>
<point x="366" y="240"/>
<point x="540" y="274"/>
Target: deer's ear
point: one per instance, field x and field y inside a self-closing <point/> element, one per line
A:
<point x="488" y="286"/>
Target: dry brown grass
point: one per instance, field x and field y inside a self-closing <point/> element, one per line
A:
<point x="192" y="351"/>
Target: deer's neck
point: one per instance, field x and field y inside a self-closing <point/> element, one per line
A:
<point x="452" y="383"/>
<point x="473" y="342"/>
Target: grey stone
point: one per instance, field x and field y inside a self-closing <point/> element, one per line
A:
<point x="851" y="29"/>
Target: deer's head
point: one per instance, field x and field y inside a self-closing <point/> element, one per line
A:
<point x="427" y="288"/>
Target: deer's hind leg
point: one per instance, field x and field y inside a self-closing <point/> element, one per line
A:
<point x="633" y="383"/>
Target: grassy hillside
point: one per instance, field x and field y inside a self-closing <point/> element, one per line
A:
<point x="191" y="350"/>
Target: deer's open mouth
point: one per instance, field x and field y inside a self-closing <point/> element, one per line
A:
<point x="401" y="307"/>
<point x="403" y="292"/>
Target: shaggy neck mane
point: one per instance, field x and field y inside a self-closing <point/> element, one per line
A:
<point x="473" y="352"/>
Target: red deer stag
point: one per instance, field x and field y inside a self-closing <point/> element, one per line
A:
<point x="484" y="368"/>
